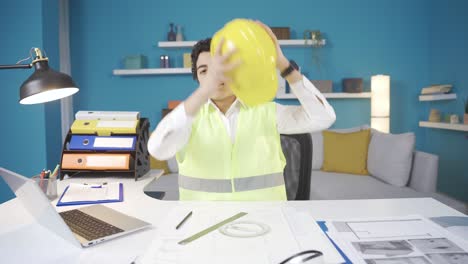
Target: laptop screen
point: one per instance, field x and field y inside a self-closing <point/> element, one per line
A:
<point x="37" y="204"/>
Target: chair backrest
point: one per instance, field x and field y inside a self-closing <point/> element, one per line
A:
<point x="297" y="150"/>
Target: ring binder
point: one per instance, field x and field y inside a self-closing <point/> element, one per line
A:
<point x="104" y="127"/>
<point x="139" y="163"/>
<point x="91" y="142"/>
<point x="107" y="115"/>
<point x="96" y="161"/>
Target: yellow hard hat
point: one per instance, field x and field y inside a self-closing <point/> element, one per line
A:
<point x="255" y="81"/>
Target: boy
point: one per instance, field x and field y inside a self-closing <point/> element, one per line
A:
<point x="227" y="150"/>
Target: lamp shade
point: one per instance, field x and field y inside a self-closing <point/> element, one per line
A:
<point x="46" y="85"/>
<point x="380" y="102"/>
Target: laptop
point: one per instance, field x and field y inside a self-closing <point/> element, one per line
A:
<point x="85" y="226"/>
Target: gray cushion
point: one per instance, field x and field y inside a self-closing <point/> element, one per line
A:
<point x="336" y="186"/>
<point x="390" y="157"/>
<point x="317" y="144"/>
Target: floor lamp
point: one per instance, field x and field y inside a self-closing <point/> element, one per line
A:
<point x="380" y="103"/>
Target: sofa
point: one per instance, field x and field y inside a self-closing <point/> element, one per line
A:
<point x="419" y="180"/>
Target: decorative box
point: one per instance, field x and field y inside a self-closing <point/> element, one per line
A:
<point x="135" y="62"/>
<point x="324" y="86"/>
<point x="281" y="32"/>
<point x="187" y="60"/>
<point x="352" y="85"/>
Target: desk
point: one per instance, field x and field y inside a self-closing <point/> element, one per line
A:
<point x="138" y="204"/>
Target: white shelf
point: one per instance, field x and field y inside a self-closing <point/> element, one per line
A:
<point x="458" y="127"/>
<point x="176" y="44"/>
<point x="282" y="42"/>
<point x="437" y="97"/>
<point x="157" y="71"/>
<point x="300" y="42"/>
<point x="330" y="96"/>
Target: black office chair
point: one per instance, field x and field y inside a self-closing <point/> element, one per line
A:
<point x="297" y="150"/>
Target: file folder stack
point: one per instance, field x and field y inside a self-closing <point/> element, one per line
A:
<point x="106" y="143"/>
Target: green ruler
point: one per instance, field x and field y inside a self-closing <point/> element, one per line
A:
<point x="211" y="229"/>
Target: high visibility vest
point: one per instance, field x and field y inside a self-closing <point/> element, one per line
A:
<point x="212" y="167"/>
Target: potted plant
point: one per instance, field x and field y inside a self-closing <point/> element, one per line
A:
<point x="315" y="38"/>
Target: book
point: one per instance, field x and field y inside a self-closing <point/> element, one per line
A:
<point x="437" y="89"/>
<point x="83" y="193"/>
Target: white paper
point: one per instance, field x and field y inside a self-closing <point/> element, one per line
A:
<point x="113" y="142"/>
<point x="107" y="115"/>
<point x="411" y="240"/>
<point x="117" y="124"/>
<point x="310" y="236"/>
<point x="91" y="192"/>
<point x="105" y="161"/>
<point x="215" y="247"/>
<point x="377" y="229"/>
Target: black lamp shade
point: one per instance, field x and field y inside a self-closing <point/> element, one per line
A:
<point x="46" y="85"/>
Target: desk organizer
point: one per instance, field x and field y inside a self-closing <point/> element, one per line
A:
<point x="138" y="161"/>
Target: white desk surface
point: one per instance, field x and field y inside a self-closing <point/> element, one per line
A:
<point x="138" y="204"/>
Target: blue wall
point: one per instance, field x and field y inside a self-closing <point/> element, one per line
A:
<point x="30" y="139"/>
<point x="23" y="132"/>
<point x="50" y="32"/>
<point x="368" y="38"/>
<point x="449" y="64"/>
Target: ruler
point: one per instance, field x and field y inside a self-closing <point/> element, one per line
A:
<point x="211" y="229"/>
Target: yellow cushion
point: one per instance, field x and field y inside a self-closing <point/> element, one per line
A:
<point x="159" y="164"/>
<point x="346" y="152"/>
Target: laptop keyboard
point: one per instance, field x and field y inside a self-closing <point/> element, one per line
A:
<point x="87" y="226"/>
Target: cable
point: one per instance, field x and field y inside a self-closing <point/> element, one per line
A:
<point x="30" y="56"/>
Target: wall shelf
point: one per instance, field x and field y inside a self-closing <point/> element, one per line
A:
<point x="282" y="42"/>
<point x="440" y="125"/>
<point x="155" y="71"/>
<point x="176" y="44"/>
<point x="329" y="96"/>
<point x="437" y="97"/>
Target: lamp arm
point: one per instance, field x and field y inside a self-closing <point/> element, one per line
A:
<point x="15" y="66"/>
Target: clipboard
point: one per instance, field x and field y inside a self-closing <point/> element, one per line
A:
<point x="81" y="202"/>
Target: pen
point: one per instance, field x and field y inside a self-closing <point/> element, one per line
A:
<point x="183" y="220"/>
<point x="42" y="175"/>
<point x="54" y="174"/>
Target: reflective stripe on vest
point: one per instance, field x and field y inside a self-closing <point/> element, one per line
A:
<point x="225" y="186"/>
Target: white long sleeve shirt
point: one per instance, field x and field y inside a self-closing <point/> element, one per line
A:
<point x="173" y="132"/>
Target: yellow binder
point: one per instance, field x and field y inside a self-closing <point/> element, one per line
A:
<point x="96" y="161"/>
<point x="104" y="127"/>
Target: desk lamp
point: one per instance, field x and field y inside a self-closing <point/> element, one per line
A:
<point x="45" y="84"/>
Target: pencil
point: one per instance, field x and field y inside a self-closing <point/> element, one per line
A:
<point x="183" y="220"/>
<point x="54" y="174"/>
